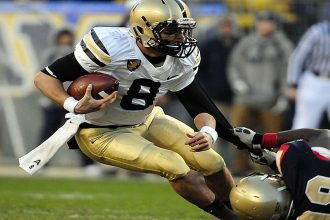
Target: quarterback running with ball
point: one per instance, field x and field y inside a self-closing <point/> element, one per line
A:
<point x="156" y="54"/>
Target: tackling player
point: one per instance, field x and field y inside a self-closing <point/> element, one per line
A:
<point x="303" y="159"/>
<point x="156" y="54"/>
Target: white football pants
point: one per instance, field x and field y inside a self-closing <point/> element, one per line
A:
<point x="313" y="99"/>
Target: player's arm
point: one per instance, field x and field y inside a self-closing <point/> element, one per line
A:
<point x="319" y="137"/>
<point x="204" y="119"/>
<point x="90" y="55"/>
<point x="49" y="82"/>
<point x="51" y="87"/>
<point x="262" y="142"/>
<point x="198" y="103"/>
<point x="206" y="136"/>
<point x="315" y="137"/>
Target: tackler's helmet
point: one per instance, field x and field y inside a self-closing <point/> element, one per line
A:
<point x="148" y="18"/>
<point x="261" y="197"/>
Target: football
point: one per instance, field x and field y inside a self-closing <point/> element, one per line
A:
<point x="103" y="85"/>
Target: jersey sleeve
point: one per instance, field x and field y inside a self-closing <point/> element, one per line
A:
<point x="196" y="100"/>
<point x="97" y="49"/>
<point x="92" y="52"/>
<point x="191" y="65"/>
<point x="65" y="69"/>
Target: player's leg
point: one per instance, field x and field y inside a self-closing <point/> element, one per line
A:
<point x="126" y="148"/>
<point x="193" y="188"/>
<point x="170" y="133"/>
<point x="194" y="180"/>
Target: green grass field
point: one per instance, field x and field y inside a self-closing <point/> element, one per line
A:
<point x="61" y="199"/>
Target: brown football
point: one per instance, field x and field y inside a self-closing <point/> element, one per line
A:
<point x="102" y="85"/>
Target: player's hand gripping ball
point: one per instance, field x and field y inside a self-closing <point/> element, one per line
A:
<point x="103" y="85"/>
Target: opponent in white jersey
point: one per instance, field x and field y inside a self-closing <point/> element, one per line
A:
<point x="157" y="54"/>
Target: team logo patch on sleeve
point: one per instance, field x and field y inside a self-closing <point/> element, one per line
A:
<point x="133" y="64"/>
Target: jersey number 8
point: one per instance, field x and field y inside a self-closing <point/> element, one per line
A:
<point x="134" y="92"/>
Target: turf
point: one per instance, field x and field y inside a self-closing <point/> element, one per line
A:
<point x="61" y="199"/>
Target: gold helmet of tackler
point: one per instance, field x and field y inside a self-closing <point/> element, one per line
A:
<point x="261" y="197"/>
<point x="148" y="18"/>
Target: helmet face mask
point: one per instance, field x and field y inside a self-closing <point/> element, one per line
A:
<point x="165" y="26"/>
<point x="181" y="46"/>
<point x="260" y="197"/>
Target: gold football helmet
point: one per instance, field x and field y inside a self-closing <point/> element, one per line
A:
<point x="261" y="197"/>
<point x="149" y="18"/>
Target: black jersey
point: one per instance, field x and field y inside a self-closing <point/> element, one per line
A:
<point x="307" y="177"/>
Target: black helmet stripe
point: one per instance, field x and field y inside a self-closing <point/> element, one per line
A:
<point x="183" y="10"/>
<point x="146" y="21"/>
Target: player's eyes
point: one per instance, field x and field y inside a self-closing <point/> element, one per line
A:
<point x="174" y="31"/>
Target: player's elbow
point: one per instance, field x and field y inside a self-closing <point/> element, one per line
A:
<point x="42" y="80"/>
<point x="38" y="79"/>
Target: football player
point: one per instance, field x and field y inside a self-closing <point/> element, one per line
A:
<point x="156" y="54"/>
<point x="303" y="159"/>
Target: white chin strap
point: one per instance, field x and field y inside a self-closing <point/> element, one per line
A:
<point x="322" y="151"/>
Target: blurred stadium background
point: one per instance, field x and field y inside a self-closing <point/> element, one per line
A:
<point x="26" y="30"/>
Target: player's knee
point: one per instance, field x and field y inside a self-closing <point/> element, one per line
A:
<point x="210" y="164"/>
<point x="172" y="165"/>
<point x="158" y="110"/>
<point x="168" y="131"/>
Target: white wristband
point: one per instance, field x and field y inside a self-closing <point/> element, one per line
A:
<point x="69" y="104"/>
<point x="211" y="131"/>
